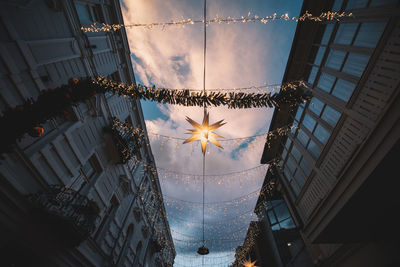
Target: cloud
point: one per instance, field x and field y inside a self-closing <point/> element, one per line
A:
<point x="237" y="56"/>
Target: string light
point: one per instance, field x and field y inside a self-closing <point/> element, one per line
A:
<point x="323" y="17"/>
<point x="291" y="96"/>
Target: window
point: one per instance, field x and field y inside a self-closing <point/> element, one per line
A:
<point x="335" y="59"/>
<point x="299" y="178"/>
<point x="382" y="2"/>
<point x="343" y="90"/>
<point x="331" y="116"/>
<point x="298" y="113"/>
<point x="337" y="5"/>
<point x="354" y="4"/>
<point x="316" y="106"/>
<point x="314" y="150"/>
<point x="345" y="33"/>
<point x="319" y="56"/>
<point x="321" y="134"/>
<point x="369" y="34"/>
<point x="325" y="82"/>
<point x="313" y="74"/>
<point x="89" y="13"/>
<point x="279" y="216"/>
<point x="302" y="137"/>
<point x="296" y="153"/>
<point x="305" y="167"/>
<point x="86" y="174"/>
<point x="327" y="34"/>
<point x="309" y="122"/>
<point x="291" y="165"/>
<point x="355" y="64"/>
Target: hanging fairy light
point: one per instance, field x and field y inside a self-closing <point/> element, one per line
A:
<point x="307" y="16"/>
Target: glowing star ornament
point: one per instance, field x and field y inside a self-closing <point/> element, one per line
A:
<point x="249" y="263"/>
<point x="204" y="132"/>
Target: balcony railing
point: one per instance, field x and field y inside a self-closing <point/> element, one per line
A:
<point x="70" y="215"/>
<point x="126" y="144"/>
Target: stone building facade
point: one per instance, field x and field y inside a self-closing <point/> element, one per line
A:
<point x="67" y="198"/>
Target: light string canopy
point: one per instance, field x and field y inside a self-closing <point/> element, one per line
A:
<point x="307" y="16"/>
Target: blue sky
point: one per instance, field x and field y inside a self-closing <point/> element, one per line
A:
<point x="238" y="55"/>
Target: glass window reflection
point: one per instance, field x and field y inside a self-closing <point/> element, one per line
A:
<point x="345" y="33"/>
<point x="369" y="34"/>
<point x="327" y="34"/>
<point x="325" y="82"/>
<point x="331" y="116"/>
<point x="321" y="134"/>
<point x="343" y="90"/>
<point x="309" y="122"/>
<point x="335" y="59"/>
<point x="355" y="64"/>
<point x="316" y="106"/>
<point x="314" y="149"/>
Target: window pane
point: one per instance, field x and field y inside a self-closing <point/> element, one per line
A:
<point x="355" y="64"/>
<point x="291" y="165"/>
<point x="83" y="13"/>
<point x="271" y="216"/>
<point x="345" y="33"/>
<point x="296" y="153"/>
<point x="314" y="150"/>
<point x="322" y="134"/>
<point x="298" y="113"/>
<point x="295" y="125"/>
<point x="288" y="142"/>
<point x="335" y="59"/>
<point x="353" y="4"/>
<point x="369" y="34"/>
<point x="343" y="90"/>
<point x="316" y="106"/>
<point x="325" y="82"/>
<point x="309" y="122"/>
<point x="331" y="116"/>
<point x="305" y="167"/>
<point x="287" y="224"/>
<point x="382" y="2"/>
<point x="282" y="212"/>
<point x="337" y="5"/>
<point x="313" y="74"/>
<point x="299" y="178"/>
<point x="287" y="174"/>
<point x="88" y="169"/>
<point x="275" y="227"/>
<point x="295" y="188"/>
<point x="284" y="154"/>
<point x="319" y="56"/>
<point x="302" y="137"/>
<point x="327" y="34"/>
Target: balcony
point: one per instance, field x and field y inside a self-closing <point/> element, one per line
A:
<point x="122" y="146"/>
<point x="68" y="216"/>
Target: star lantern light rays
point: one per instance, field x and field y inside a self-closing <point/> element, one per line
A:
<point x="204" y="132"/>
<point x="249" y="263"/>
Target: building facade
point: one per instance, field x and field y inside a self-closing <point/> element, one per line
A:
<point x="337" y="173"/>
<point x="68" y="198"/>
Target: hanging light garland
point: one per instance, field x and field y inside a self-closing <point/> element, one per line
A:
<point x="187" y="98"/>
<point x="324" y="16"/>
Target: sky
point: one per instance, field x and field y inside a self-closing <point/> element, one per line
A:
<point x="238" y="55"/>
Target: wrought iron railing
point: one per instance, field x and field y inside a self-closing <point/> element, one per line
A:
<point x="127" y="143"/>
<point x="65" y="210"/>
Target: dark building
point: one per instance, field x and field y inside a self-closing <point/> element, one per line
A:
<point x="338" y="172"/>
